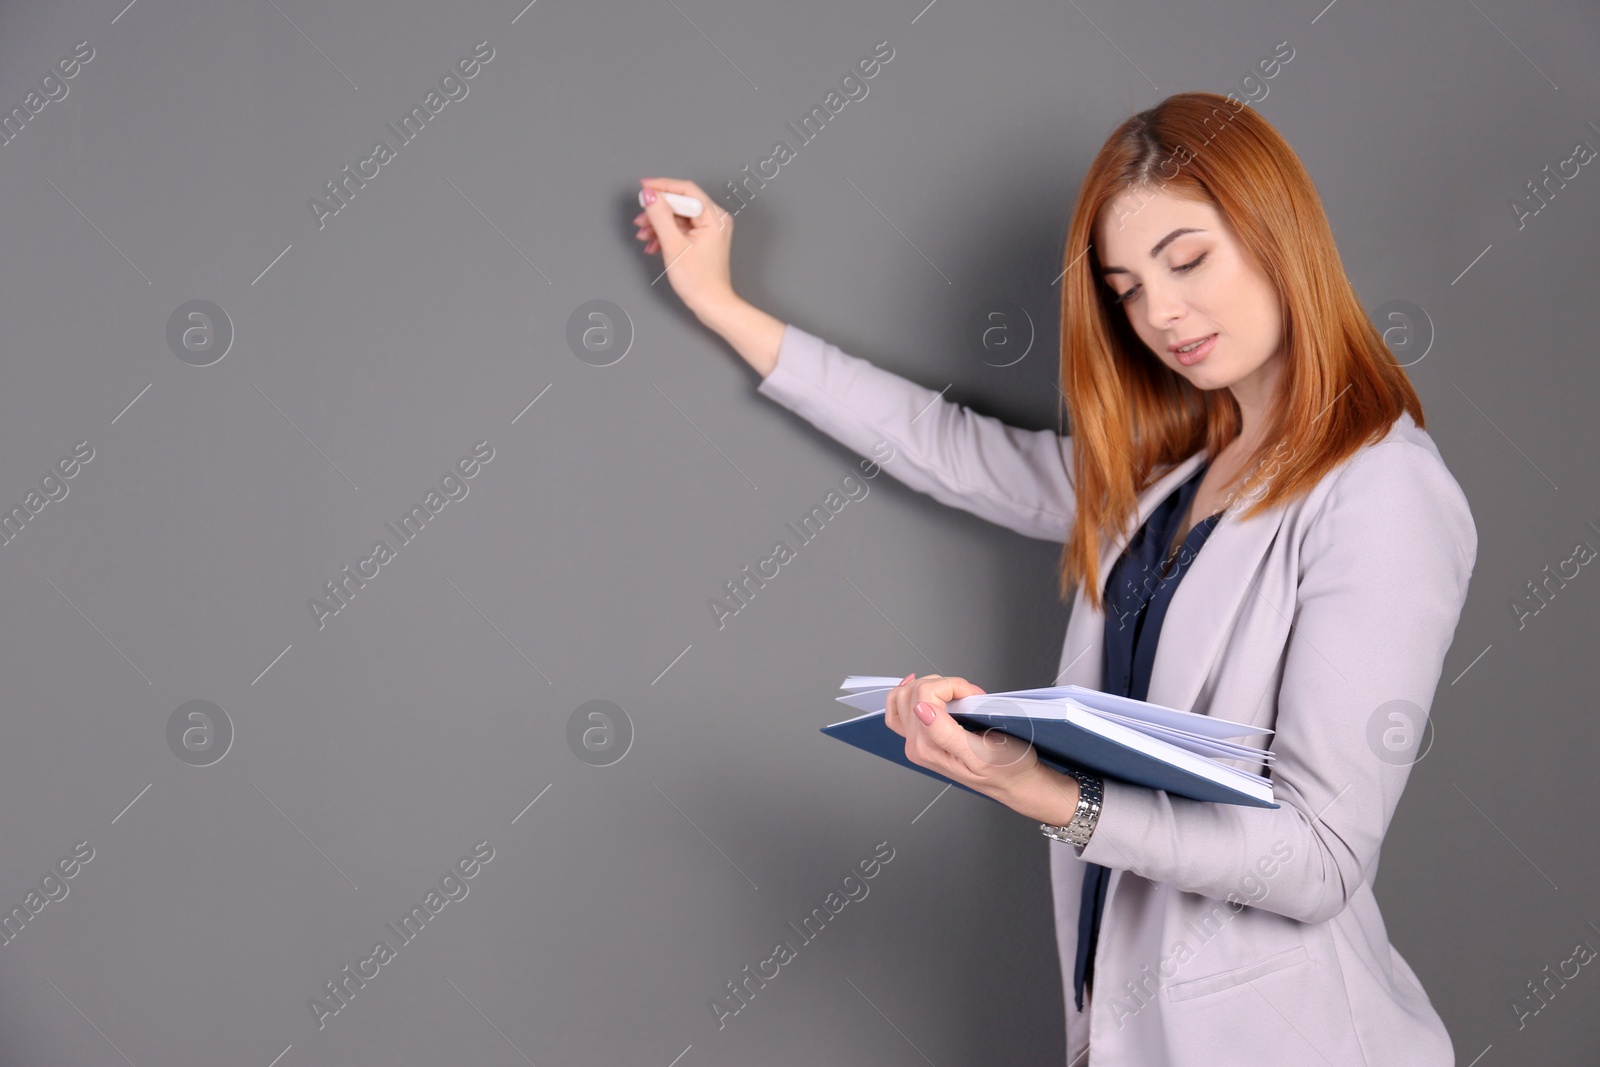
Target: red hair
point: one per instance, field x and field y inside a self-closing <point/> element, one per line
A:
<point x="1132" y="417"/>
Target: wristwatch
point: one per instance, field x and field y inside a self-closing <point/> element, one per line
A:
<point x="1081" y="826"/>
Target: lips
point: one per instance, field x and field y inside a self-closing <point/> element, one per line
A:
<point x="1196" y="355"/>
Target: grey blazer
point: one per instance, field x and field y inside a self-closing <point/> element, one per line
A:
<point x="1230" y="934"/>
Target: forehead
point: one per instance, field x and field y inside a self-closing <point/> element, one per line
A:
<point x="1135" y="219"/>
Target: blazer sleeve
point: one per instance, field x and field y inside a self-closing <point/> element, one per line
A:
<point x="1384" y="568"/>
<point x="1019" y="479"/>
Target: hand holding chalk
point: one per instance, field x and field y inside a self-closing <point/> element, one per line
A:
<point x="693" y="235"/>
<point x="687" y="206"/>
<point x="694" y="260"/>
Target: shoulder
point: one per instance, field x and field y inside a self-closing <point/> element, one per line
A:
<point x="1396" y="487"/>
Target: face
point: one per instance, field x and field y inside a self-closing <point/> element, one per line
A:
<point x="1180" y="275"/>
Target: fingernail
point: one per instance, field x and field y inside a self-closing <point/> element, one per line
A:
<point x="649" y="196"/>
<point x="925" y="712"/>
<point x="908" y="677"/>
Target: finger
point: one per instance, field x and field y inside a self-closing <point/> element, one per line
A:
<point x="676" y="228"/>
<point x="711" y="215"/>
<point x="675" y="185"/>
<point x="895" y="705"/>
<point x="937" y="688"/>
<point x="960" y="687"/>
<point x="933" y="688"/>
<point x="668" y="233"/>
<point x="916" y="693"/>
<point x="980" y="753"/>
<point x="929" y="705"/>
<point x="940" y="743"/>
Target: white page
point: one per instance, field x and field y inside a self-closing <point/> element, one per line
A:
<point x="1168" y="724"/>
<point x="1173" y="718"/>
<point x="869" y="681"/>
<point x="1131" y="737"/>
<point x="1204" y="745"/>
<point x="872" y="702"/>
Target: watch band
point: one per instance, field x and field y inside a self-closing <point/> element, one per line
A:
<point x="1077" y="830"/>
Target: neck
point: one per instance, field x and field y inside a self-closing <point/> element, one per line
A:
<point x="1255" y="395"/>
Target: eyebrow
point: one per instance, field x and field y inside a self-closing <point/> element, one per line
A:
<point x="1156" y="251"/>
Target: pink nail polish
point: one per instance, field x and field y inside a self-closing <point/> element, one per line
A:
<point x="649" y="196"/>
<point x="925" y="712"/>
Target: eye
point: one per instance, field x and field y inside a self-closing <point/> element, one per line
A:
<point x="1182" y="268"/>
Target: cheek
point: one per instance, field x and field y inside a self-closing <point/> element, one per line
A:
<point x="1252" y="320"/>
<point x="1251" y="305"/>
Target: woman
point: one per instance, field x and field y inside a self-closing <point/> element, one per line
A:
<point x="1234" y="414"/>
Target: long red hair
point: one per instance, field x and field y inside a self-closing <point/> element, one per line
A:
<point x="1132" y="417"/>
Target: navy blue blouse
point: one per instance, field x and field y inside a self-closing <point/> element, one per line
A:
<point x="1137" y="594"/>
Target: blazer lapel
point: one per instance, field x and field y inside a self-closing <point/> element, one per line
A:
<point x="1197" y="620"/>
<point x="1110" y="549"/>
<point x="1204" y="605"/>
<point x="1085" y="642"/>
<point x="1206" y="602"/>
<point x="1087" y="630"/>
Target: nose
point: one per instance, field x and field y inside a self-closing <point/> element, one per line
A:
<point x="1164" y="305"/>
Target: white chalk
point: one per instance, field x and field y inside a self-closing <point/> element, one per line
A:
<point x="686" y="206"/>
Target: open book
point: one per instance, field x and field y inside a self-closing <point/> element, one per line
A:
<point x="1116" y="737"/>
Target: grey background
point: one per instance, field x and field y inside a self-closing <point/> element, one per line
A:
<point x="433" y="710"/>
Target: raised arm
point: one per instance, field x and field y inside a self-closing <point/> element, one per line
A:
<point x="1019" y="479"/>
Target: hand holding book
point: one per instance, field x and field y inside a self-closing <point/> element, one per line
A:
<point x="1135" y="741"/>
<point x="986" y="761"/>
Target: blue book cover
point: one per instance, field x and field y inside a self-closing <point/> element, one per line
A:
<point x="1152" y="746"/>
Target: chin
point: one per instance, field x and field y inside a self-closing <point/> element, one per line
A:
<point x="1204" y="377"/>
